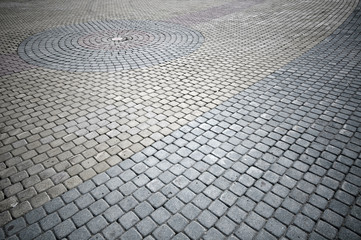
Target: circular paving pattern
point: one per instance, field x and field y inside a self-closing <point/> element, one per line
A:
<point x="109" y="45"/>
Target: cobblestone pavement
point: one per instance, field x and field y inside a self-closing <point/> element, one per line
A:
<point x="179" y="119"/>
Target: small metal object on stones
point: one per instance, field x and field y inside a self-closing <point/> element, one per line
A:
<point x="109" y="45"/>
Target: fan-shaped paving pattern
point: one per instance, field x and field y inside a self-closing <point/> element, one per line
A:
<point x="109" y="46"/>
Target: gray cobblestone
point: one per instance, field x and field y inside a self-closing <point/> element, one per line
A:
<point x="255" y="221"/>
<point x="202" y="201"/>
<point x="47" y="235"/>
<point x="80" y="234"/>
<point x="146" y="226"/>
<point x="98" y="207"/>
<point x="262" y="145"/>
<point x="127" y="188"/>
<point x="15" y="226"/>
<point x="114" y="183"/>
<point x="128" y="203"/>
<point x="13" y="189"/>
<point x="113" y="197"/>
<point x="97" y="236"/>
<point x="194" y="230"/>
<point x="64" y="228"/>
<point x="157" y="200"/>
<point x="275" y="227"/>
<point x="128" y="220"/>
<point x="351" y="223"/>
<point x="347" y="234"/>
<point x="20" y="209"/>
<point x="82" y="217"/>
<point x="263" y="234"/>
<point x="113" y="231"/>
<point x="142" y="194"/>
<point x="131" y="234"/>
<point x="197" y="186"/>
<point x="68" y="211"/>
<point x="304" y="223"/>
<point x="113" y="213"/>
<point x="86" y="187"/>
<point x="163" y="232"/>
<point x="207" y="219"/>
<point x="100" y="192"/>
<point x="96" y="224"/>
<point x="70" y="195"/>
<point x="84" y="201"/>
<point x="50" y="221"/>
<point x="35" y="215"/>
<point x="294" y="232"/>
<point x="100" y="178"/>
<point x="53" y="205"/>
<point x="26" y="194"/>
<point x="143" y="209"/>
<point x="186" y="195"/>
<point x="177" y="222"/>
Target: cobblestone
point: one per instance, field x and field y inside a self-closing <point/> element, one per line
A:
<point x="196" y="121"/>
<point x="82" y="217"/>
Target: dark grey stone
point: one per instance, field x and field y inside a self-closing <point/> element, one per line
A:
<point x="275" y="227"/>
<point x="128" y="203"/>
<point x="218" y="208"/>
<point x="245" y="232"/>
<point x="82" y="217"/>
<point x="113" y="213"/>
<point x="284" y="216"/>
<point x="305" y="223"/>
<point x="68" y="211"/>
<point x="84" y="201"/>
<point x="100" y="178"/>
<point x="86" y="187"/>
<point x="113" y="197"/>
<point x="30" y="232"/>
<point x="113" y="183"/>
<point x="50" y="221"/>
<point x="143" y="209"/>
<point x="131" y="234"/>
<point x="213" y="234"/>
<point x="163" y="233"/>
<point x="96" y="224"/>
<point x="99" y="192"/>
<point x="49" y="235"/>
<point x="35" y="215"/>
<point x="70" y="195"/>
<point x="80" y="234"/>
<point x="194" y="230"/>
<point x="113" y="231"/>
<point x="186" y="195"/>
<point x="177" y="222"/>
<point x="128" y="220"/>
<point x="160" y="215"/>
<point x="190" y="211"/>
<point x="64" y="228"/>
<point x="146" y="226"/>
<point x="53" y="205"/>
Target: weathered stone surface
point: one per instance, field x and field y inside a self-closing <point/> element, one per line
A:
<point x="231" y="119"/>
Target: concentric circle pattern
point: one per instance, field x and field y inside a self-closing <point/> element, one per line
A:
<point x="109" y="45"/>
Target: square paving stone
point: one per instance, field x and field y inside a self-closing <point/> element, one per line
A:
<point x="63" y="229"/>
<point x="113" y="231"/>
<point x="97" y="224"/>
<point x="146" y="226"/>
<point x="194" y="230"/>
<point x="163" y="232"/>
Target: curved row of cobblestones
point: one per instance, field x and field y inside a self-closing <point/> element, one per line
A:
<point x="109" y="46"/>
